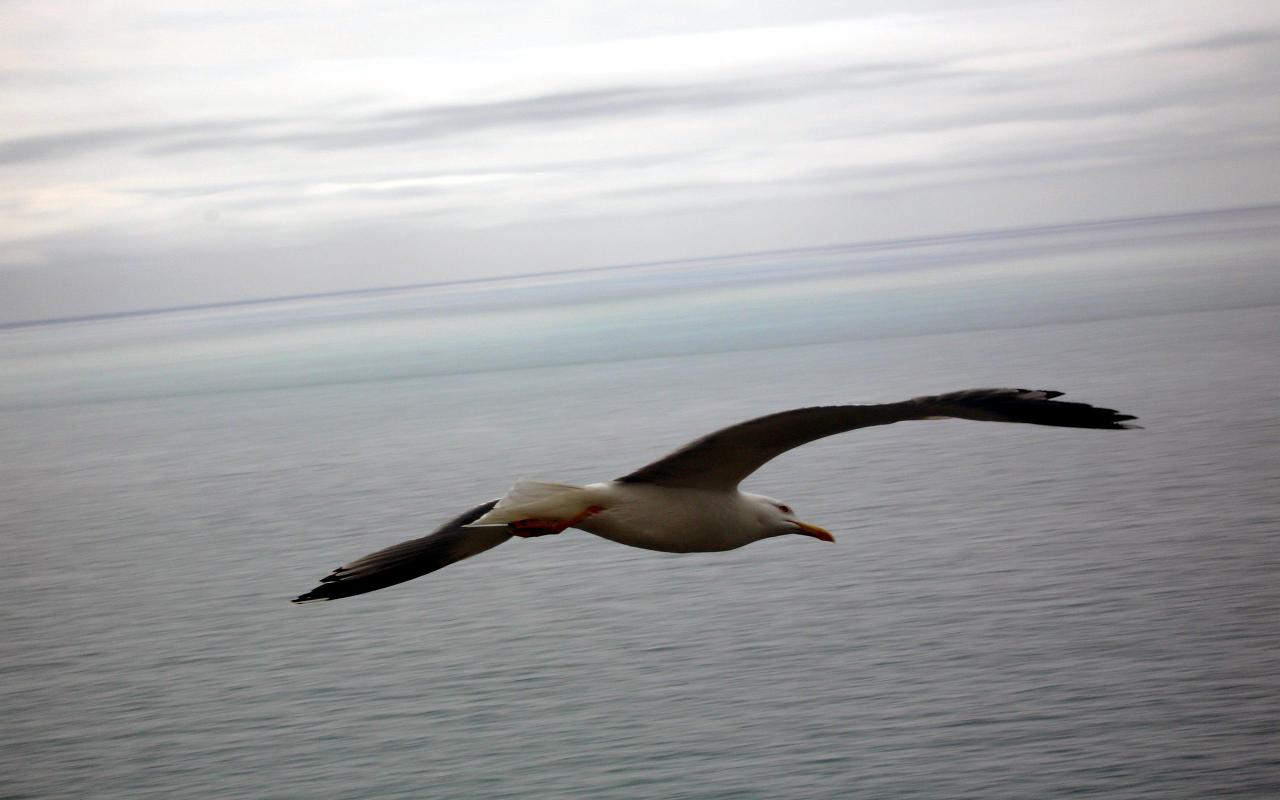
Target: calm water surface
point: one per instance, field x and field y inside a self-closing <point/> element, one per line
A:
<point x="1009" y="611"/>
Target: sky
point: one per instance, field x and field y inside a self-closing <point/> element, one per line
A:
<point x="193" y="152"/>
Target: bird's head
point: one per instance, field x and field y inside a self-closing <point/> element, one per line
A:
<point x="777" y="518"/>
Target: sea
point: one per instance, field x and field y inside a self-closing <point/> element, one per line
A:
<point x="1009" y="611"/>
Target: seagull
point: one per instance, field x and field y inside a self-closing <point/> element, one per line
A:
<point x="689" y="501"/>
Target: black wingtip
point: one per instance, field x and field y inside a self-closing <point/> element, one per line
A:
<point x="329" y="589"/>
<point x="451" y="542"/>
<point x="1033" y="406"/>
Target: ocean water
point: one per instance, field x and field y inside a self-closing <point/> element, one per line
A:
<point x="1009" y="611"/>
<point x="1025" y="277"/>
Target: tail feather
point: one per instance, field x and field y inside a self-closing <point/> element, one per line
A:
<point x="536" y="500"/>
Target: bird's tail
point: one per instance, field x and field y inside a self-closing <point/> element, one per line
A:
<point x="536" y="500"/>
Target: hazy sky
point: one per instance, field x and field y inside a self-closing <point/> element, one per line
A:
<point x="180" y="152"/>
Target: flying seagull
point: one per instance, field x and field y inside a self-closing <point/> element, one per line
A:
<point x="689" y="500"/>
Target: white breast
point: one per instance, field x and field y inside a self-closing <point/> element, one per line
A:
<point x="672" y="520"/>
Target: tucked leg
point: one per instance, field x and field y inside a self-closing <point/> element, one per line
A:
<point x="529" y="528"/>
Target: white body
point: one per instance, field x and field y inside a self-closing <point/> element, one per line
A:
<point x="674" y="520"/>
<point x="664" y="518"/>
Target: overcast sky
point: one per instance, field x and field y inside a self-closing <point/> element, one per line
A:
<point x="184" y="152"/>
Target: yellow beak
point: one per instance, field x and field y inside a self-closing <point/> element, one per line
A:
<point x="813" y="530"/>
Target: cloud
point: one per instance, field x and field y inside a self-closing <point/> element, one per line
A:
<point x="283" y="127"/>
<point x="430" y="122"/>
<point x="1228" y="40"/>
<point x="71" y="144"/>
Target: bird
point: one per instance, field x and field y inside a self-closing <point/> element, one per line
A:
<point x="689" y="501"/>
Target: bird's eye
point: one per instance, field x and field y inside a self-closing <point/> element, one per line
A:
<point x="784" y="509"/>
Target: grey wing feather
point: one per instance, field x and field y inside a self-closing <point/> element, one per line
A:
<point x="448" y="544"/>
<point x="721" y="460"/>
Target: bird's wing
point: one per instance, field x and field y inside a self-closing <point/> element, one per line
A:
<point x="721" y="460"/>
<point x="401" y="562"/>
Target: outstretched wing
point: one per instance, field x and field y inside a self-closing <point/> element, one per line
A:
<point x="401" y="562"/>
<point x="721" y="460"/>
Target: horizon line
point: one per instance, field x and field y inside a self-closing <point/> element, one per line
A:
<point x="865" y="244"/>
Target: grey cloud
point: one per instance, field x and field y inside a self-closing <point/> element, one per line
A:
<point x="1045" y="158"/>
<point x="618" y="102"/>
<point x="286" y="190"/>
<point x="1203" y="97"/>
<point x="440" y="122"/>
<point x="74" y="143"/>
<point x="428" y="123"/>
<point x="1229" y="40"/>
<point x="59" y="145"/>
<point x="436" y="122"/>
<point x="295" y="199"/>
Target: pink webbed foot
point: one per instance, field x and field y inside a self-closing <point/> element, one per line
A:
<point x="528" y="528"/>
